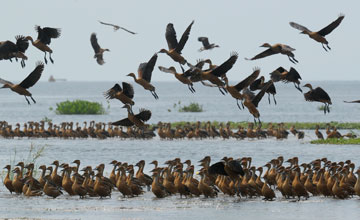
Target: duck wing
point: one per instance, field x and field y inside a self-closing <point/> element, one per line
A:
<point x="184" y="38"/>
<point x="328" y="29"/>
<point x="45" y="34"/>
<point x="248" y="80"/>
<point x="217" y="168"/>
<point x="33" y="77"/>
<point x="259" y="96"/>
<point x="299" y="26"/>
<point x="110" y="94"/>
<point x="144" y="115"/>
<point x="226" y="66"/>
<point x="123" y="122"/>
<point x="204" y="41"/>
<point x="3" y="81"/>
<point x="94" y="43"/>
<point x="21" y="43"/>
<point x="263" y="54"/>
<point x="128" y="90"/>
<point x="170" y="36"/>
<point x="236" y="167"/>
<point x="145" y="69"/>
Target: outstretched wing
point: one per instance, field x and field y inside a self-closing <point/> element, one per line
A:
<point x="259" y="96"/>
<point x="356" y="101"/>
<point x="94" y="43"/>
<point x="328" y="29"/>
<point x="263" y="54"/>
<point x="110" y="94"/>
<point x="170" y="36"/>
<point x="144" y="115"/>
<point x="248" y="80"/>
<point x="204" y="41"/>
<point x="147" y="68"/>
<point x="184" y="38"/>
<point x="293" y="74"/>
<point x="123" y="122"/>
<point x="226" y="66"/>
<point x="298" y="26"/>
<point x="128" y="89"/>
<point x="320" y="94"/>
<point x="33" y="77"/>
<point x="236" y="167"/>
<point x="165" y="70"/>
<point x="3" y="81"/>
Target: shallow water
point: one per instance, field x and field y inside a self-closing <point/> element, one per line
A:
<point x="291" y="107"/>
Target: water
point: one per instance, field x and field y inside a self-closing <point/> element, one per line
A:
<point x="291" y="107"/>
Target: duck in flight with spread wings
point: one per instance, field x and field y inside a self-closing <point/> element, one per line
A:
<point x="116" y="27"/>
<point x="275" y="49"/>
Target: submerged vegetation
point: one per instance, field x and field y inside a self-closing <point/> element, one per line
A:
<point x="340" y="141"/>
<point x="298" y="125"/>
<point x="79" y="107"/>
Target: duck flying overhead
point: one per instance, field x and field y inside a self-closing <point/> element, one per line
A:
<point x="275" y="49"/>
<point x="182" y="77"/>
<point x="44" y="39"/>
<point x="116" y="27"/>
<point x="319" y="36"/>
<point x="174" y="46"/>
<point x="144" y="75"/>
<point x="9" y="50"/>
<point x="97" y="49"/>
<point x="281" y="74"/>
<point x="318" y="95"/>
<point x="28" y="82"/>
<point x="124" y="94"/>
<point x="206" y="44"/>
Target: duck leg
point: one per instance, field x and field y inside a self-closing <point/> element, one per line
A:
<point x="328" y="108"/>
<point x="22" y="63"/>
<point x="154" y="94"/>
<point x="269" y="98"/>
<point x="27" y="100"/>
<point x="45" y="58"/>
<point x="191" y="85"/>
<point x="52" y="61"/>
<point x="327" y="45"/>
<point x="33" y="99"/>
<point x="325" y="109"/>
<point x="191" y="89"/>
<point x="274" y="99"/>
<point x="298" y="87"/>
<point x="324" y="47"/>
<point x="237" y="103"/>
<point x="291" y="60"/>
<point x="221" y="91"/>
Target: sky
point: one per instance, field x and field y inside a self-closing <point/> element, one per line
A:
<point x="235" y="25"/>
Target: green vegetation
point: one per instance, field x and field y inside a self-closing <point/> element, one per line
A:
<point x="192" y="107"/>
<point x="298" y="125"/>
<point x="79" y="107"/>
<point x="34" y="153"/>
<point x="341" y="141"/>
<point x="46" y="119"/>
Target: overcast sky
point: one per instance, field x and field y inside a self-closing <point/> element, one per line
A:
<point x="235" y="25"/>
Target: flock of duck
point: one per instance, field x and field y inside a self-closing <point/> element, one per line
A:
<point x="230" y="177"/>
<point x="214" y="75"/>
<point x="163" y="130"/>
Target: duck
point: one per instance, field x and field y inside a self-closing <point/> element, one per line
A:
<point x="97" y="49"/>
<point x="124" y="94"/>
<point x="275" y="49"/>
<point x="175" y="47"/>
<point x="7" y="181"/>
<point x="101" y="187"/>
<point x="17" y="181"/>
<point x="267" y="192"/>
<point x="77" y="187"/>
<point x="319" y="36"/>
<point x="206" y="44"/>
<point x="9" y="49"/>
<point x="318" y="95"/>
<point x="281" y="74"/>
<point x="182" y="77"/>
<point x="44" y="39"/>
<point x="28" y="82"/>
<point x="144" y="75"/>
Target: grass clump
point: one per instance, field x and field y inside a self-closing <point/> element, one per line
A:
<point x="192" y="107"/>
<point x="340" y="141"/>
<point x="79" y="107"/>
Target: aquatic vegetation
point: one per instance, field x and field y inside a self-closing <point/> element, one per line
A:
<point x="34" y="153"/>
<point x="341" y="141"/>
<point x="79" y="107"/>
<point x="192" y="107"/>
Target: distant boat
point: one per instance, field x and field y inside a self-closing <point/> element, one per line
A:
<point x="52" y="79"/>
